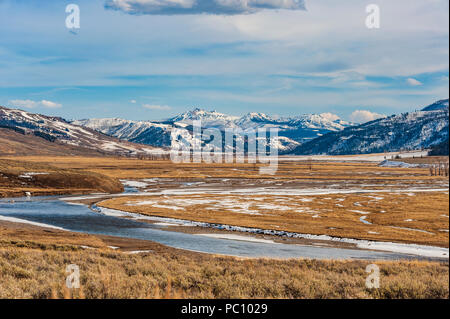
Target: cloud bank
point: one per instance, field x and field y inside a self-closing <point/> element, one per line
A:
<point x="30" y="104"/>
<point x="360" y="116"/>
<point x="330" y="116"/>
<point x="218" y="7"/>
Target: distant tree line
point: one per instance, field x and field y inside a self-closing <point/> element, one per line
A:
<point x="439" y="169"/>
<point x="45" y="136"/>
<point x="440" y="149"/>
<point x="13" y="128"/>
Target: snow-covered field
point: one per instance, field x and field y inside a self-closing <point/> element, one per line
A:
<point x="376" y="158"/>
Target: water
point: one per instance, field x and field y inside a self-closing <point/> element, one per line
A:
<point x="79" y="218"/>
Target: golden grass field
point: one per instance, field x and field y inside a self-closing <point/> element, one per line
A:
<point x="425" y="212"/>
<point x="420" y="217"/>
<point x="33" y="260"/>
<point x="33" y="263"/>
<point x="50" y="180"/>
<point x="131" y="168"/>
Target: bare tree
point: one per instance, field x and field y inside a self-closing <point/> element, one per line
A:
<point x="310" y="164"/>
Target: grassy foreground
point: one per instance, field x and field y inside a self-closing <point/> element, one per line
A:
<point x="33" y="263"/>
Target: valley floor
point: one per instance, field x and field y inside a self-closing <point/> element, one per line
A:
<point x="33" y="263"/>
<point x="341" y="199"/>
<point x="21" y="178"/>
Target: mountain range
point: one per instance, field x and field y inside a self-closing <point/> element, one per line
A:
<point x="293" y="131"/>
<point x="26" y="133"/>
<point x="23" y="132"/>
<point x="408" y="131"/>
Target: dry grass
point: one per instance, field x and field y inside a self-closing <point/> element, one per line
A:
<point x="33" y="261"/>
<point x="423" y="211"/>
<point x="51" y="180"/>
<point x="24" y="235"/>
<point x="32" y="269"/>
<point x="13" y="143"/>
<point x="128" y="168"/>
<point x="334" y="215"/>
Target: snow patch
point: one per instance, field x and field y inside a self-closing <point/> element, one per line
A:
<point x="24" y="221"/>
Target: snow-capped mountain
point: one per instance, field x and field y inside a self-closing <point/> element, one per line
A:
<point x="132" y="131"/>
<point x="208" y="119"/>
<point x="325" y="121"/>
<point x="292" y="131"/>
<point x="259" y="120"/>
<point x="306" y="134"/>
<point x="408" y="131"/>
<point x="59" y="131"/>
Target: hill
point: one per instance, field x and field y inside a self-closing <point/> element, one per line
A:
<point x="408" y="131"/>
<point x="25" y="133"/>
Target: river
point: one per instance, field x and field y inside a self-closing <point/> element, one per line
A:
<point x="79" y="218"/>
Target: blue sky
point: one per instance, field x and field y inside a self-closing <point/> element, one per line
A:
<point x="133" y="60"/>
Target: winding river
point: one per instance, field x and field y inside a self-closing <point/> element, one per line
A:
<point x="54" y="212"/>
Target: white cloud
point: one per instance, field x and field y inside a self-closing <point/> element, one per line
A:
<point x="330" y="116"/>
<point x="360" y="116"/>
<point x="221" y="7"/>
<point x="30" y="104"/>
<point x="319" y="48"/>
<point x="133" y="101"/>
<point x="157" y="107"/>
<point x="49" y="104"/>
<point x="413" y="82"/>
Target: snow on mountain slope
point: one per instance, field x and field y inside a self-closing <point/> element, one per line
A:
<point x="59" y="131"/>
<point x="408" y="131"/>
<point x="133" y="131"/>
<point x="255" y="120"/>
<point x="303" y="135"/>
<point x="209" y="119"/>
<point x="292" y="131"/>
<point x="322" y="121"/>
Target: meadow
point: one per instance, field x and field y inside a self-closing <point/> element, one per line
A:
<point x="33" y="264"/>
<point x="358" y="200"/>
<point x="17" y="178"/>
<point x="420" y="218"/>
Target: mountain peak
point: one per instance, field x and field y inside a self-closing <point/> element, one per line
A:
<point x="256" y="116"/>
<point x="327" y="121"/>
<point x="198" y="110"/>
<point x="198" y="114"/>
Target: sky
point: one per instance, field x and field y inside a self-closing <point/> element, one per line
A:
<point x="153" y="59"/>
